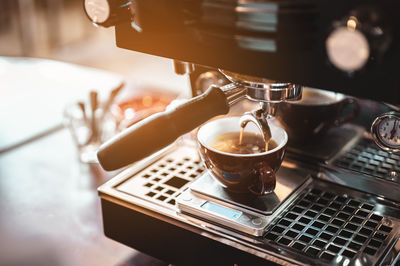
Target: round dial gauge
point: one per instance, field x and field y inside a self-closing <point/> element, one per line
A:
<point x="386" y="131"/>
<point x="97" y="10"/>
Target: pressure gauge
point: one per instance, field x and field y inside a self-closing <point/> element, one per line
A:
<point x="386" y="131"/>
<point x="98" y="11"/>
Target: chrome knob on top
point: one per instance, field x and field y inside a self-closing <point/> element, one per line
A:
<point x="347" y="47"/>
<point x="359" y="39"/>
<point x="108" y="13"/>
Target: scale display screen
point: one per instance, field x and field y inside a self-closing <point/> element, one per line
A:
<point x="221" y="210"/>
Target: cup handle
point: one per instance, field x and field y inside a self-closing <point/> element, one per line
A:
<point x="266" y="180"/>
<point x="356" y="110"/>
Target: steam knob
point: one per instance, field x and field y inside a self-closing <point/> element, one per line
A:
<point x="107" y="13"/>
<point x="347" y="49"/>
<point x="357" y="39"/>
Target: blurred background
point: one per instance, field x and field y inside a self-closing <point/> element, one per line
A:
<point x="50" y="212"/>
<point x="60" y="30"/>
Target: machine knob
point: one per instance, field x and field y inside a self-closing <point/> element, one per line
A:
<point x="108" y="13"/>
<point x="347" y="49"/>
<point x="357" y="39"/>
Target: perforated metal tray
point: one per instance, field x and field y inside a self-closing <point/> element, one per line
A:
<point x="325" y="224"/>
<point x="366" y="158"/>
<point x="164" y="180"/>
<point x="333" y="227"/>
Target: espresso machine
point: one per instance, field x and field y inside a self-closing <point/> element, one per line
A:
<point x="336" y="202"/>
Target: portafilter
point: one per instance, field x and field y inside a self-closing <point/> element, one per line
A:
<point x="161" y="129"/>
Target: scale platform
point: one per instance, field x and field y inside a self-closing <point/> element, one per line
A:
<point x="207" y="199"/>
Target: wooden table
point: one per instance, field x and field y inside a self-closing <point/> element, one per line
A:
<point x="49" y="208"/>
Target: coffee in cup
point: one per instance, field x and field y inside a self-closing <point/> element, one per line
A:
<point x="248" y="143"/>
<point x="244" y="167"/>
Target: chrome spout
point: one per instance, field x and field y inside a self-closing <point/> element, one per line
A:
<point x="259" y="118"/>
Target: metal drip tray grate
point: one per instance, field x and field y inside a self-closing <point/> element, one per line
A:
<point x="165" y="179"/>
<point x="326" y="226"/>
<point x="366" y="158"/>
<point x="316" y="226"/>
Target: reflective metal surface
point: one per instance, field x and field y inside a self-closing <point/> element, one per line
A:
<point x="389" y="143"/>
<point x="365" y="167"/>
<point x="265" y="90"/>
<point x="287" y="181"/>
<point x="336" y="226"/>
<point x="275" y="92"/>
<point x="332" y="145"/>
<point x="166" y="179"/>
<point x="259" y="118"/>
<point x="369" y="225"/>
<point x="233" y="93"/>
<point x="254" y="213"/>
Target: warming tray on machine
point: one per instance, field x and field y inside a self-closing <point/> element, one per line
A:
<point x="326" y="148"/>
<point x="347" y="155"/>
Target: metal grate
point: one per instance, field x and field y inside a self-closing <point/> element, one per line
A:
<point x="325" y="225"/>
<point x="164" y="180"/>
<point x="367" y="158"/>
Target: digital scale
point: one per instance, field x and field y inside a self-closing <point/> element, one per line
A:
<point x="206" y="199"/>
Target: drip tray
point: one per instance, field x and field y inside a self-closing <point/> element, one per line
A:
<point x="163" y="180"/>
<point x="306" y="220"/>
<point x="287" y="181"/>
<point x="334" y="227"/>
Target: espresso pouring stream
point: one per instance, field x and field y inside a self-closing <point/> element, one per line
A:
<point x="266" y="137"/>
<point x="258" y="118"/>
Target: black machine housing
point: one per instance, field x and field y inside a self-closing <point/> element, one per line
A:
<point x="278" y="40"/>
